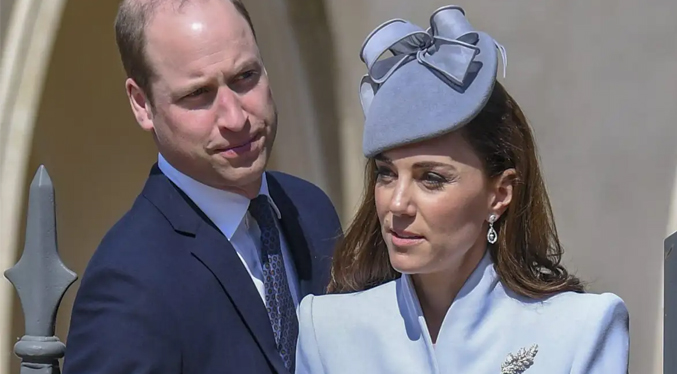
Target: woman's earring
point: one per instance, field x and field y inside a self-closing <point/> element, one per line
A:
<point x="492" y="236"/>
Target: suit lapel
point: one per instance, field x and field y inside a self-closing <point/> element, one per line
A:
<point x="218" y="256"/>
<point x="300" y="244"/>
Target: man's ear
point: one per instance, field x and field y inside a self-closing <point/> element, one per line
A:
<point x="503" y="187"/>
<point x="141" y="106"/>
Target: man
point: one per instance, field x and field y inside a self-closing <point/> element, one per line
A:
<point x="204" y="273"/>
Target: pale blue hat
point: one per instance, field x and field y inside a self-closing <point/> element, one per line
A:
<point x="437" y="80"/>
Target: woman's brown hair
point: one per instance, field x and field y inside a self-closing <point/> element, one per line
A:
<point x="527" y="254"/>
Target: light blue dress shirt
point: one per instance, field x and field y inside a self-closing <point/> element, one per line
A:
<point x="382" y="330"/>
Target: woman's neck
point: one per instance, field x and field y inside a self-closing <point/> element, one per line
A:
<point x="437" y="291"/>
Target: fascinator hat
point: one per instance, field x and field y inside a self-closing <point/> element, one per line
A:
<point x="434" y="81"/>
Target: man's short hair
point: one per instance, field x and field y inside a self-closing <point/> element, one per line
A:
<point x="130" y="34"/>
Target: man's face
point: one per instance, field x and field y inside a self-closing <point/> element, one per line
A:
<point x="213" y="115"/>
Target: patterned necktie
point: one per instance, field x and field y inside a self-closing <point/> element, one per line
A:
<point x="279" y="302"/>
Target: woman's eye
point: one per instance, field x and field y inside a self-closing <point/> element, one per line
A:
<point x="434" y="180"/>
<point x="384" y="174"/>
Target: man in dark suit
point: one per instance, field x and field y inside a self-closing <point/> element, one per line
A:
<point x="204" y="273"/>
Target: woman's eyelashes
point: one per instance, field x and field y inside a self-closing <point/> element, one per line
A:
<point x="384" y="174"/>
<point x="431" y="180"/>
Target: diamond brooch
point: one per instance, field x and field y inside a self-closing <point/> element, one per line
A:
<point x="518" y="363"/>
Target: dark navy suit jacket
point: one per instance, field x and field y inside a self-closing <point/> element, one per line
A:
<point x="166" y="293"/>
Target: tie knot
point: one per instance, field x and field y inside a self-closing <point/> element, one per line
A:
<point x="261" y="210"/>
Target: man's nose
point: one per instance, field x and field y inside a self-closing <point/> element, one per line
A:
<point x="231" y="115"/>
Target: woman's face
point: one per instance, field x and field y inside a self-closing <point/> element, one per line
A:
<point x="433" y="201"/>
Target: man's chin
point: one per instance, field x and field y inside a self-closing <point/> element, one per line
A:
<point x="244" y="177"/>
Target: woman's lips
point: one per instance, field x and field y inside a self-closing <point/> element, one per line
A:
<point x="405" y="238"/>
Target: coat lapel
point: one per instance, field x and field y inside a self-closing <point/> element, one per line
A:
<point x="218" y="256"/>
<point x="300" y="244"/>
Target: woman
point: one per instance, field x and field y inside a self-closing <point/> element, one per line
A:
<point x="452" y="264"/>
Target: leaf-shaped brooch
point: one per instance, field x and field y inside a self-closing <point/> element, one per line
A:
<point x="517" y="364"/>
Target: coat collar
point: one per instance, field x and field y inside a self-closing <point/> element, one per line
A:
<point x="218" y="256"/>
<point x="214" y="202"/>
<point x="186" y="217"/>
<point x="467" y="311"/>
<point x="297" y="235"/>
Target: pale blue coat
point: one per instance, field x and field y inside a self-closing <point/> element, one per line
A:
<point x="382" y="330"/>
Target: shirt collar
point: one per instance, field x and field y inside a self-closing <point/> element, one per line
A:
<point x="226" y="209"/>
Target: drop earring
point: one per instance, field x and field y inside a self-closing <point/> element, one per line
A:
<point x="492" y="235"/>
